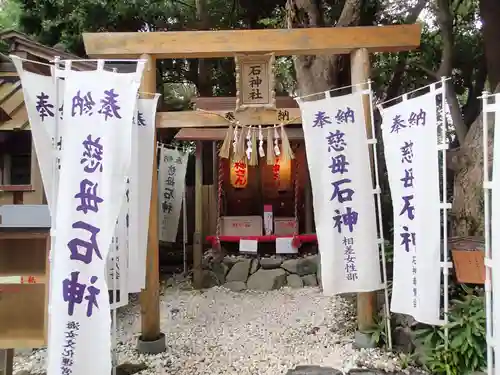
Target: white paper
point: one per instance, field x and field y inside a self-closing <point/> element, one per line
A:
<point x="143" y="134"/>
<point x="411" y="154"/>
<point x="284" y="246"/>
<point x="335" y="128"/>
<point x="171" y="185"/>
<point x="248" y="246"/>
<point x="95" y="163"/>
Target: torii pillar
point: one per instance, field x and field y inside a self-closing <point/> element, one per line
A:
<point x="359" y="42"/>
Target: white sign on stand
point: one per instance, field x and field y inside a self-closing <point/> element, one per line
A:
<point x="284" y="245"/>
<point x="248" y="246"/>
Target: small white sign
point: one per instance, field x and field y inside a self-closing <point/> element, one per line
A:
<point x="10" y="280"/>
<point x="248" y="246"/>
<point x="284" y="245"/>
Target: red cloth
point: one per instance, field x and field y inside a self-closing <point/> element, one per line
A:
<point x="298" y="240"/>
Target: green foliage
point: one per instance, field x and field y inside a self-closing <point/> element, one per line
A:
<point x="378" y="331"/>
<point x="10" y="13"/>
<point x="178" y="96"/>
<point x="63" y="21"/>
<point x="466" y="351"/>
<point x="406" y="360"/>
<point x="389" y="253"/>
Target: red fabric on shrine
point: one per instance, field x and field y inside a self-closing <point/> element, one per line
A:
<point x="297" y="240"/>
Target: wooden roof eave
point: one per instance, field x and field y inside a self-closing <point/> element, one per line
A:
<point x="20" y="42"/>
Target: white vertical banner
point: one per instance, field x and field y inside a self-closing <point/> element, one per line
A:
<point x="343" y="195"/>
<point x="117" y="263"/>
<point x="410" y="134"/>
<point x="39" y="93"/>
<point x="94" y="166"/>
<point x="171" y="186"/>
<point x="143" y="135"/>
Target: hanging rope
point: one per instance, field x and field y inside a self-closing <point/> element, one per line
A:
<point x="296" y="240"/>
<point x="218" y="229"/>
<point x="234" y="130"/>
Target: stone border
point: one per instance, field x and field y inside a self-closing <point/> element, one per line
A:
<point x="242" y="272"/>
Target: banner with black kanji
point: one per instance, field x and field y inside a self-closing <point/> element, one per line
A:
<point x="171" y="185"/>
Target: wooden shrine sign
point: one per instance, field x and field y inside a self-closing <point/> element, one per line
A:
<point x="255" y="82"/>
<point x="469" y="266"/>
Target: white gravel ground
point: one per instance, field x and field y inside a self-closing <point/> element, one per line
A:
<point x="220" y="332"/>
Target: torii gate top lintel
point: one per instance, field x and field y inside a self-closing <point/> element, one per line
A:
<point x="227" y="43"/>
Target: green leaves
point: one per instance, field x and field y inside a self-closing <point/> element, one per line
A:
<point x="10" y="12"/>
<point x="466" y="351"/>
<point x="378" y="331"/>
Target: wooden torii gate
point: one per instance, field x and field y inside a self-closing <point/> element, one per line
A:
<point x="359" y="42"/>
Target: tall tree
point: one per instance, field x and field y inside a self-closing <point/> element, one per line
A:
<point x="452" y="45"/>
<point x="469" y="55"/>
<point x="319" y="73"/>
<point x="468" y="203"/>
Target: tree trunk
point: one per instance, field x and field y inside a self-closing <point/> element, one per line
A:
<point x="490" y="11"/>
<point x="204" y="77"/>
<point x="468" y="198"/>
<point x="322" y="72"/>
<point x="468" y="202"/>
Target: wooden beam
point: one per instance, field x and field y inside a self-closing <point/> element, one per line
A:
<point x="6" y="361"/>
<point x="202" y="119"/>
<point x="213" y="134"/>
<point x="360" y="73"/>
<point x="150" y="296"/>
<point x="227" y="43"/>
<point x="228" y="103"/>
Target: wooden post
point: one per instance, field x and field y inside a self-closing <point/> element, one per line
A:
<point x="150" y="297"/>
<point x="360" y="72"/>
<point x="198" y="226"/>
<point x="6" y="361"/>
<point x="308" y="205"/>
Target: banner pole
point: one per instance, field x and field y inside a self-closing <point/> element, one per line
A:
<point x="487" y="237"/>
<point x="184" y="229"/>
<point x="114" y="325"/>
<point x="444" y="266"/>
<point x="387" y="311"/>
<point x="53" y="194"/>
